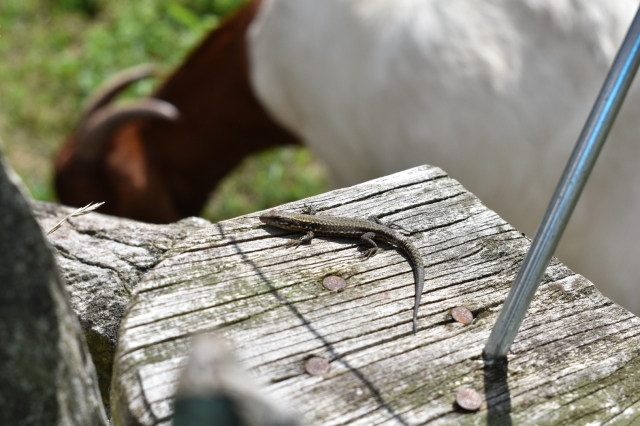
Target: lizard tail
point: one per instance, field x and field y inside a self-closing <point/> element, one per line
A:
<point x="419" y="279"/>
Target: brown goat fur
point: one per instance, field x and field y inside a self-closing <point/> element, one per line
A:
<point x="161" y="171"/>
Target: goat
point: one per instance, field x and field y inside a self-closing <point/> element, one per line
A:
<point x="494" y="92"/>
<point x="158" y="159"/>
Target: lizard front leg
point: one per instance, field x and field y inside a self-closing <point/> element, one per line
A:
<point x="305" y="238"/>
<point x="367" y="240"/>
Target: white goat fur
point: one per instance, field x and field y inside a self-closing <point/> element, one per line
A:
<point x="494" y="92"/>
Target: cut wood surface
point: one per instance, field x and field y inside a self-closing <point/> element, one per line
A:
<point x="101" y="259"/>
<point x="574" y="360"/>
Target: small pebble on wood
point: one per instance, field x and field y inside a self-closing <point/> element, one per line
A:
<point x="468" y="399"/>
<point x="317" y="366"/>
<point x="334" y="283"/>
<point x="462" y="315"/>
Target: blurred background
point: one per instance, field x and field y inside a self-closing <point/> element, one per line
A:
<point x="54" y="53"/>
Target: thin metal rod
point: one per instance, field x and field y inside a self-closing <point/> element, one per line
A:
<point x="567" y="193"/>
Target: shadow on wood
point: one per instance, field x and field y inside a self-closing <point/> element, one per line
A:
<point x="496" y="391"/>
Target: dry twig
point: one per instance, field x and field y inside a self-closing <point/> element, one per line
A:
<point x="81" y="211"/>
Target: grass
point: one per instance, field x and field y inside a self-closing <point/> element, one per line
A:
<point x="271" y="178"/>
<point x="55" y="52"/>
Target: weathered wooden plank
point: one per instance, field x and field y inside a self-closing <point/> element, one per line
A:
<point x="101" y="259"/>
<point x="572" y="360"/>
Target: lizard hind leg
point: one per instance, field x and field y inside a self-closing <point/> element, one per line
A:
<point x="376" y="219"/>
<point x="379" y="221"/>
<point x="367" y="240"/>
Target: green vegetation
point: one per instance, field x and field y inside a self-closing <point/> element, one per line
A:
<point x="54" y="53"/>
<point x="266" y="180"/>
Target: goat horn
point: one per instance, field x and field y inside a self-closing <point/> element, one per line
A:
<point x="97" y="129"/>
<point x="114" y="85"/>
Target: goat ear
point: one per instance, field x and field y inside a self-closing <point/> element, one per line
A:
<point x="113" y="86"/>
<point x="96" y="129"/>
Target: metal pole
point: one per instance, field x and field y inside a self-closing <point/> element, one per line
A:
<point x="567" y="193"/>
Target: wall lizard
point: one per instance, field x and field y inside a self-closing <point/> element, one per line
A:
<point x="313" y="224"/>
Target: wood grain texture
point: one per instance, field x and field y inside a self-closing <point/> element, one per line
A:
<point x="574" y="360"/>
<point x="101" y="259"/>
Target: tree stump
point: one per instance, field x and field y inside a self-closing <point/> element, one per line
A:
<point x="348" y="355"/>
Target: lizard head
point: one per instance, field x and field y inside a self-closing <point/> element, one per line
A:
<point x="282" y="219"/>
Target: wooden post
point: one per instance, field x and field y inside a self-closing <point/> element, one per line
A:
<point x="575" y="359"/>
